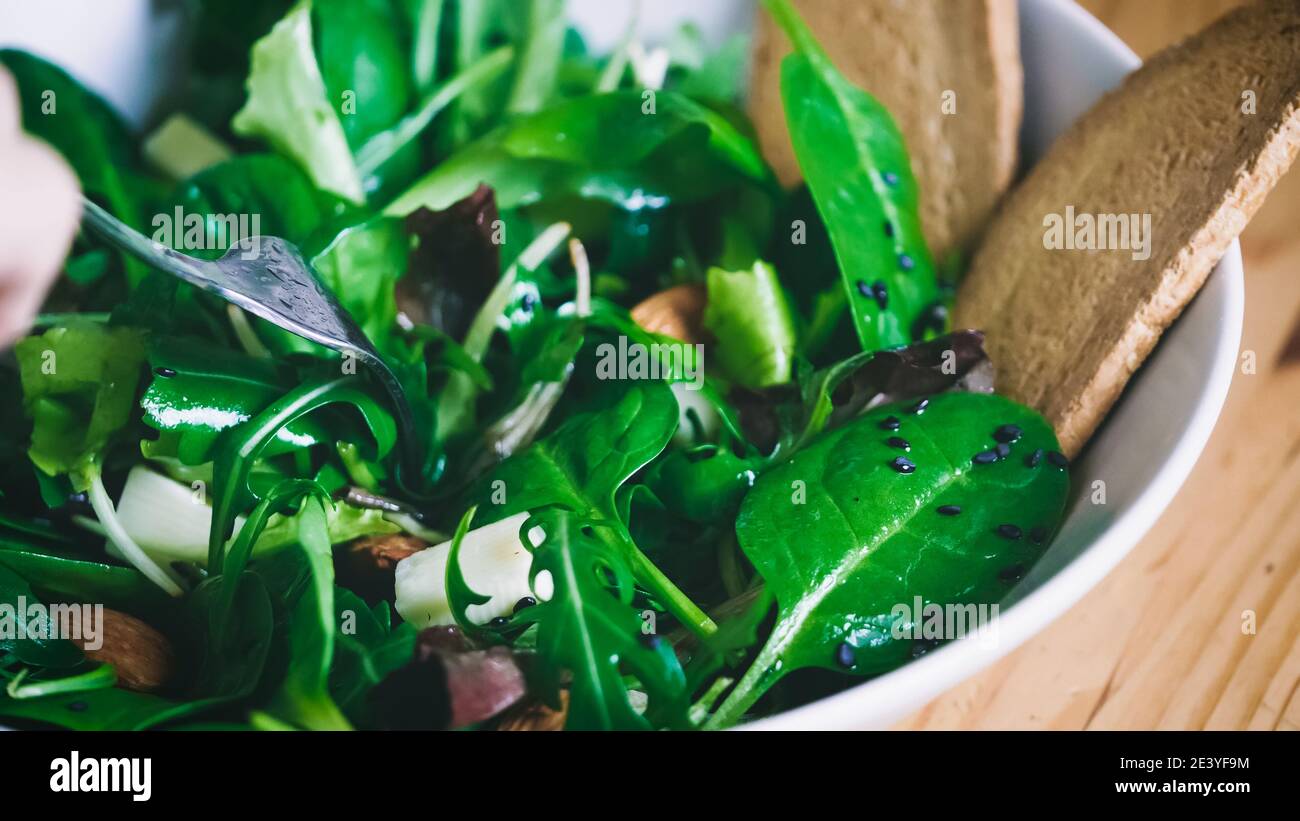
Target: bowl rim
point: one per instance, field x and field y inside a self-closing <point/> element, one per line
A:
<point x="908" y="688"/>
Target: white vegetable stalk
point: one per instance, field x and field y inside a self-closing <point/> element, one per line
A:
<point x="495" y="564"/>
<point x="131" y="551"/>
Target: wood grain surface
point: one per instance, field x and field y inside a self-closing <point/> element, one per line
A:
<point x="1167" y="641"/>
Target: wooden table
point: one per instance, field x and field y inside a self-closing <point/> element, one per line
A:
<point x="1164" y="641"/>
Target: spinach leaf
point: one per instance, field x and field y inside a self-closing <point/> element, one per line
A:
<point x="367" y="647"/>
<point x="110" y="708"/>
<point x="615" y="147"/>
<point x="360" y="266"/>
<point x="40" y="647"/>
<point x="854" y="161"/>
<point x="854" y="525"/>
<point x="361" y="63"/>
<point x="748" y="315"/>
<point x="224" y="31"/>
<point x="58" y="577"/>
<point x="288" y="106"/>
<point x="269" y="187"/>
<point x="589" y="629"/>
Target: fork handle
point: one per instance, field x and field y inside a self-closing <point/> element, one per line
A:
<point x="120" y="235"/>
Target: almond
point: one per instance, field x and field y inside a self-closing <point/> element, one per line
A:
<point x="141" y="656"/>
<point x="366" y="565"/>
<point x="534" y="715"/>
<point x="677" y="312"/>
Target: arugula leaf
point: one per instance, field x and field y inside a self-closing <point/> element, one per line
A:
<point x="855" y="163"/>
<point x="304" y="696"/>
<point x="289" y="108"/>
<point x="581" y="466"/>
<point x="589" y="629"/>
<point x="748" y="316"/>
<point x="198" y="392"/>
<point x="844" y="531"/>
<point x="241" y="446"/>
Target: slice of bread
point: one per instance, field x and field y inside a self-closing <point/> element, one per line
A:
<point x="948" y="70"/>
<point x="1193" y="141"/>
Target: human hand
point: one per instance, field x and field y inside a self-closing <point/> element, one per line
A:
<point x="39" y="212"/>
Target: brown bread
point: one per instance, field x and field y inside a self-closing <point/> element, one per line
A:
<point x="909" y="55"/>
<point x="1196" y="139"/>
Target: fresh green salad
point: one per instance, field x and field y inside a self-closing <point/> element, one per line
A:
<point x="700" y="449"/>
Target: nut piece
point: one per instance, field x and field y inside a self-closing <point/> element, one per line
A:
<point x="534" y="715"/>
<point x="366" y="565"/>
<point x="677" y="312"/>
<point x="140" y="655"/>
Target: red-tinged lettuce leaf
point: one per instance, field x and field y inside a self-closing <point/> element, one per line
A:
<point x="454" y="266"/>
<point x="830" y="397"/>
<point x="448" y="684"/>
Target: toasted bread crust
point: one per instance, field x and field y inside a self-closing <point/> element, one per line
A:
<point x="1177" y="141"/>
<point x="908" y="55"/>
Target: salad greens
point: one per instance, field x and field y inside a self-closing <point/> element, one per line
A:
<point x="618" y="527"/>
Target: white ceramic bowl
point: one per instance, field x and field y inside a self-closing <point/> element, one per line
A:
<point x="1144" y="452"/>
<point x="1146" y="448"/>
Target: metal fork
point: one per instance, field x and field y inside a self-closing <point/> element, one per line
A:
<point x="275" y="283"/>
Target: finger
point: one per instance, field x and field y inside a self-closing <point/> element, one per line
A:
<point x="10" y="119"/>
<point x="38" y="218"/>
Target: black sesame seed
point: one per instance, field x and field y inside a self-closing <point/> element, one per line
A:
<point x="890" y="423"/>
<point x="525" y="603"/>
<point x="527" y="302"/>
<point x="905" y="262"/>
<point x="1038" y="535"/>
<point x="865" y="289"/>
<point x="1034" y="458"/>
<point x="903" y="465"/>
<point x="165" y="373"/>
<point x="919" y="407"/>
<point x="1003" y="450"/>
<point x="985" y="457"/>
<point x="844" y="655"/>
<point x="1009" y="532"/>
<point x="898" y="442"/>
<point x="1014" y="573"/>
<point x="881" y="293"/>
<point x="651" y="640"/>
<point x="949" y="510"/>
<point x="1008" y="434"/>
<point x="890" y="178"/>
<point x="889" y="228"/>
<point x="1058" y="459"/>
<point x="498" y="622"/>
